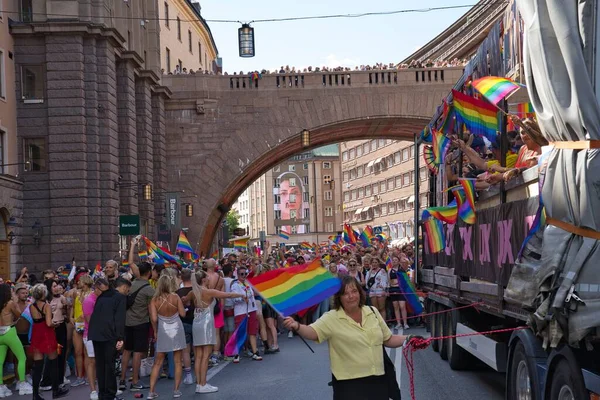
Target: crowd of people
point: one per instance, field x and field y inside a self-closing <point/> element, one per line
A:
<point x="113" y="326"/>
<point x="364" y="67"/>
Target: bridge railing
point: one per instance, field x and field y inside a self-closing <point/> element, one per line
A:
<point x="314" y="80"/>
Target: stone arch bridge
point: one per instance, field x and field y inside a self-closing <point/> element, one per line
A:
<point x="224" y="132"/>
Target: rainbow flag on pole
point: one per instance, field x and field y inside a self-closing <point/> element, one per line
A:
<point x="495" y="88"/>
<point x="441" y="144"/>
<point x="480" y="117"/>
<point x="413" y="304"/>
<point x="349" y="236"/>
<point x="159" y="254"/>
<point x="435" y="235"/>
<point x="284" y="234"/>
<point x="296" y="288"/>
<point x="183" y="244"/>
<point x="240" y="244"/>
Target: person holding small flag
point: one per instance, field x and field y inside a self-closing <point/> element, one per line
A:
<point x="366" y="372"/>
<point x="245" y="306"/>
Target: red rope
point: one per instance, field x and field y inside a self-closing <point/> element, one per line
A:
<point x="415" y="344"/>
<point x="440" y="312"/>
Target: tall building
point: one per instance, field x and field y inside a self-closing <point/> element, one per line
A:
<point x="185" y="38"/>
<point x="378" y="185"/>
<point x="10" y="185"/>
<point x="301" y="196"/>
<point x="90" y="117"/>
<point x="242" y="206"/>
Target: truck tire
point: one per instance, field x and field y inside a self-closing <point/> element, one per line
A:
<point x="435" y="345"/>
<point x="520" y="385"/>
<point x="458" y="358"/>
<point x="567" y="383"/>
<point x="442" y="330"/>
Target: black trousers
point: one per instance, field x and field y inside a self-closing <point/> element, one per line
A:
<point x="368" y="388"/>
<point x="105" y="369"/>
<point x="61" y="338"/>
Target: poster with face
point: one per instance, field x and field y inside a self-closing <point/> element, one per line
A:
<point x="292" y="206"/>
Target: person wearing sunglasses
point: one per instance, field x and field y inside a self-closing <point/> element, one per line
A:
<point x="246" y="305"/>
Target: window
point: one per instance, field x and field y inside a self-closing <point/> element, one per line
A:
<point x="326" y="179"/>
<point x="276" y="182"/>
<point x="277" y="168"/>
<point x="382" y="187"/>
<point x="329" y="211"/>
<point x="359" y="171"/>
<point x="180" y="63"/>
<point x="406" y="179"/>
<point x="390" y="161"/>
<point x="376" y="211"/>
<point x="346" y="196"/>
<point x="373" y="145"/>
<point x="292" y="197"/>
<point x="361" y="193"/>
<point x="305" y="197"/>
<point x="375" y="188"/>
<point x="345" y="176"/>
<point x="179" y="29"/>
<point x="190" y="41"/>
<point x="276" y="199"/>
<point x="353" y="173"/>
<point x="206" y="66"/>
<point x="166" y="14"/>
<point x="2" y="155"/>
<point x="326" y="165"/>
<point x="292" y="182"/>
<point x="405" y="154"/>
<point x="26" y="10"/>
<point x="398" y="181"/>
<point x="412" y="151"/>
<point x="306" y="213"/>
<point x="359" y="151"/>
<point x="200" y="53"/>
<point x="351" y="154"/>
<point x="168" y="59"/>
<point x="291" y="168"/>
<point x="354" y="194"/>
<point x="293" y="214"/>
<point x="381" y="142"/>
<point x="2" y="75"/>
<point x="397" y="157"/>
<point x="32" y="82"/>
<point x="35" y="153"/>
<point x="423" y="173"/>
<point x="390" y="184"/>
<point x="294" y="229"/>
<point x="384" y="209"/>
<point x="329" y="227"/>
<point x="305" y="179"/>
<point x="345" y="156"/>
<point x="392" y="208"/>
<point x="328" y="195"/>
<point x="365" y="148"/>
<point x="368" y="190"/>
<point x="305" y="166"/>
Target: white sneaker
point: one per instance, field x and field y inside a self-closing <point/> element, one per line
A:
<point x="290" y="334"/>
<point x="24" y="388"/>
<point x="205" y="389"/>
<point x="398" y="326"/>
<point x="5" y="391"/>
<point x="188" y="380"/>
<point x="406" y="327"/>
<point x="94" y="395"/>
<point x="215" y="388"/>
<point x="29" y="379"/>
<point x="67" y="371"/>
<point x="45" y="388"/>
<point x="66" y="381"/>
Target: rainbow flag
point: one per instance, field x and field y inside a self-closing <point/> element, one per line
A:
<point x="388" y="263"/>
<point x="125" y="263"/>
<point x="495" y="88"/>
<point x="305" y="246"/>
<point x="237" y="339"/>
<point x="64" y="274"/>
<point x="382" y="237"/>
<point x="296" y="288"/>
<point x="240" y="244"/>
<point x="429" y="159"/>
<point x="366" y="236"/>
<point x="349" y="236"/>
<point x="480" y="117"/>
<point x="525" y="110"/>
<point x="215" y="254"/>
<point x="142" y="254"/>
<point x="441" y="144"/>
<point x="26" y="315"/>
<point x="284" y="234"/>
<point x="435" y="235"/>
<point x="98" y="269"/>
<point x="448" y="214"/>
<point x="159" y="254"/>
<point x="469" y="190"/>
<point x="183" y="244"/>
<point x="413" y="304"/>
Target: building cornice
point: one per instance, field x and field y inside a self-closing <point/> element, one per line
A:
<point x="66" y="28"/>
<point x="162" y="91"/>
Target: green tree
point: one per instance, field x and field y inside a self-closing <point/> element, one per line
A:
<point x="233" y="221"/>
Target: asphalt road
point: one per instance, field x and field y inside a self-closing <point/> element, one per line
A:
<point x="296" y="373"/>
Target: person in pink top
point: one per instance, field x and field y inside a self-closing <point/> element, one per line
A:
<point x="90" y="364"/>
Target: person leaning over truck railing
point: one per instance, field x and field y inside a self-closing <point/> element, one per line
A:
<point x="533" y="141"/>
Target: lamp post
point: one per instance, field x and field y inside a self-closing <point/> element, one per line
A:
<point x="246" y="41"/>
<point x="37" y="232"/>
<point x="189" y="210"/>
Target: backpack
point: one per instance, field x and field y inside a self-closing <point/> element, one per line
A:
<point x="132" y="296"/>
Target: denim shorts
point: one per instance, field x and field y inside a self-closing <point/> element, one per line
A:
<point x="187" y="329"/>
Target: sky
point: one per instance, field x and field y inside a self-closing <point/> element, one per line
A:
<point x="330" y="42"/>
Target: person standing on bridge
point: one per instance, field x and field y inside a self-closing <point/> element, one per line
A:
<point x="355" y="333"/>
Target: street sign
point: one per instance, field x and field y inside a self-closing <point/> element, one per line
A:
<point x="129" y="225"/>
<point x="239" y="232"/>
<point x="377" y="230"/>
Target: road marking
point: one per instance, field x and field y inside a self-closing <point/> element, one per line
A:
<point x="396" y="357"/>
<point x="215" y="370"/>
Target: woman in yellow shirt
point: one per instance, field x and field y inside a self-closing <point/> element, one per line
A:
<point x="355" y="334"/>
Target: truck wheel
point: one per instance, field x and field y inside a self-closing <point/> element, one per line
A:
<point x="435" y="345"/>
<point x="520" y="384"/>
<point x="567" y="383"/>
<point x="458" y="358"/>
<point x="442" y="330"/>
